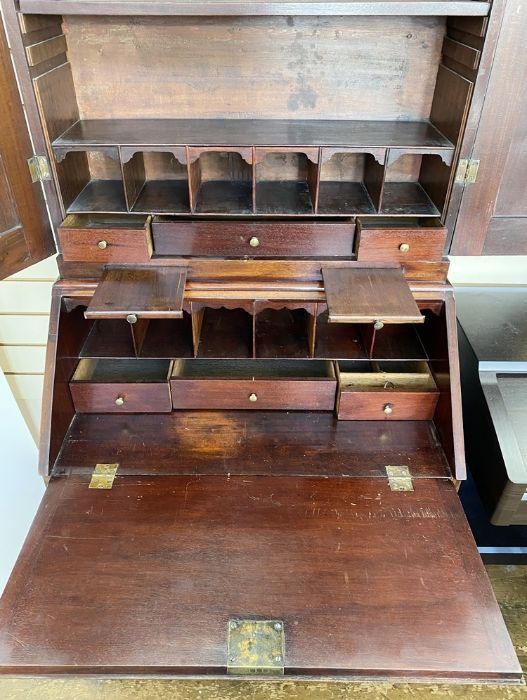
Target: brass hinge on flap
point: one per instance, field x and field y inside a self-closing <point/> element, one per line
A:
<point x="103" y="476"/>
<point x="255" y="647"/>
<point x="39" y="169"/>
<point x="399" y="478"/>
<point x="467" y="171"/>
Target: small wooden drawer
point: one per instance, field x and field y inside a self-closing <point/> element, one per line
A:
<point x="383" y="240"/>
<point x="255" y="239"/>
<point x="294" y="385"/>
<point x="386" y="391"/>
<point x="105" y="239"/>
<point x="121" y="386"/>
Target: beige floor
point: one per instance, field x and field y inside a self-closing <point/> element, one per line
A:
<point x="510" y="585"/>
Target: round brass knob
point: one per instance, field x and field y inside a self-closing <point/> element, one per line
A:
<point x="388" y="409"/>
<point x="102" y="245"/>
<point x="131" y="318"/>
<point x="253" y="398"/>
<point x="404" y="247"/>
<point x="378" y="325"/>
<point x="119" y="401"/>
<point x="254" y="242"/>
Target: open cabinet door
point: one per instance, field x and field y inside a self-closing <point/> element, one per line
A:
<point x="25" y="231"/>
<point x="243" y="574"/>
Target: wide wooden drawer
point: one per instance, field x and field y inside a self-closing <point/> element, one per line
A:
<point x="294" y="385"/>
<point x="386" y="391"/>
<point x="105" y="239"/>
<point x="382" y="240"/>
<point x="255" y="239"/>
<point x="121" y="386"/>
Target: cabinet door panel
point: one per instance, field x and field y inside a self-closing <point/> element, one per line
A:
<point x="492" y="218"/>
<point x="25" y="233"/>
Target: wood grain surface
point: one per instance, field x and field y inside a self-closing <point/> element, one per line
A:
<point x="148" y="292"/>
<point x="145" y="577"/>
<point x="265" y="67"/>
<point x="254" y="239"/>
<point x="267" y="7"/>
<point x="249" y="442"/>
<point x="363" y="295"/>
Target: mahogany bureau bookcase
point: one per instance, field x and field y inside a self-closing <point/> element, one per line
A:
<point x="252" y="424"/>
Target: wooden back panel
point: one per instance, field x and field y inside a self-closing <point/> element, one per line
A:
<point x="263" y="67"/>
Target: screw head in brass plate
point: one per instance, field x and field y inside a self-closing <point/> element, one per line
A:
<point x="131" y="318"/>
<point x="102" y="244"/>
<point x="256" y="647"/>
<point x="119" y="401"/>
<point x="404" y="247"/>
<point x="253" y="397"/>
<point x="254" y="242"/>
<point x="388" y="409"/>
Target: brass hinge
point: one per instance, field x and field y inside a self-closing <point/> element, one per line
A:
<point x="467" y="171"/>
<point x="399" y="478"/>
<point x="39" y="168"/>
<point x="255" y="647"/>
<point x="103" y="476"/>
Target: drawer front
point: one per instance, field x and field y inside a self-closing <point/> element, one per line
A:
<point x="392" y="405"/>
<point x="253" y="239"/>
<point x="401" y="244"/>
<point x="105" y="245"/>
<point x="121" y="398"/>
<point x="291" y="395"/>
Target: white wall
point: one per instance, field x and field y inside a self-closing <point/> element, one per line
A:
<point x="24" y="316"/>
<point x="491" y="270"/>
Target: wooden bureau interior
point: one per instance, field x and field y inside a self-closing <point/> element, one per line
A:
<point x="253" y="295"/>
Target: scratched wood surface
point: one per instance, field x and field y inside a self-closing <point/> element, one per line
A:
<point x="347" y="564"/>
<point x="510" y="586"/>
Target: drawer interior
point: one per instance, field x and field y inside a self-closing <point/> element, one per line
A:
<point x="100" y="221"/>
<point x="253" y="369"/>
<point x="132" y="371"/>
<point x="403" y="222"/>
<point x="385" y="376"/>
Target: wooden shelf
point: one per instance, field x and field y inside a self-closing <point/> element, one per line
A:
<point x="224" y="197"/>
<point x="163" y="197"/>
<point x="408" y="135"/>
<point x="337" y="198"/>
<point x="407" y="198"/>
<point x="226" y="333"/>
<point x="269" y="7"/>
<point x="105" y="196"/>
<point x="237" y="167"/>
<point x="276" y="197"/>
<point x="164" y="339"/>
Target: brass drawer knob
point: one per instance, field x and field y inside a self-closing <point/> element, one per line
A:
<point x="131" y="318"/>
<point x="254" y="242"/>
<point x="102" y="245"/>
<point x="253" y="397"/>
<point x="388" y="409"/>
<point x="119" y="401"/>
<point x="404" y="247"/>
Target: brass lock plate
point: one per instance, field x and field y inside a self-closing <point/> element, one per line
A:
<point x="255" y="647"/>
